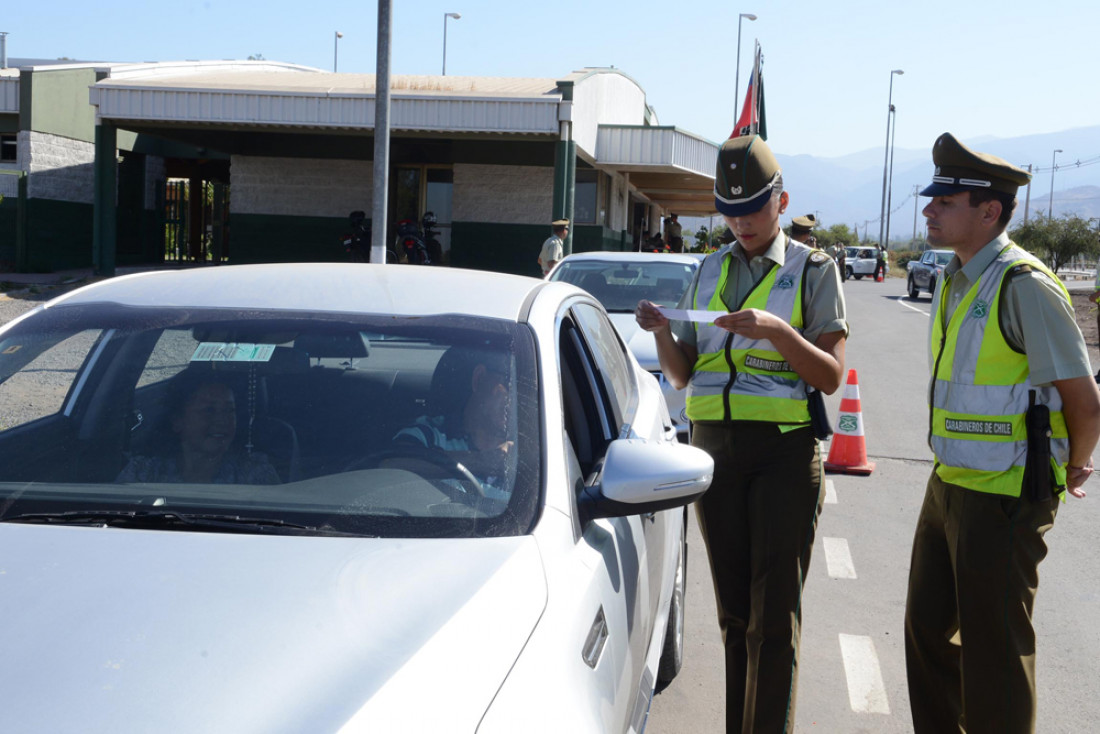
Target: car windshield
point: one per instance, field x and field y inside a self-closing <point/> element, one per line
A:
<point x="308" y="422"/>
<point x="620" y="285"/>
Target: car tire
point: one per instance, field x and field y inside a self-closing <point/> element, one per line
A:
<point x="931" y="286"/>
<point x="848" y="272"/>
<point x="914" y="292"/>
<point x="672" y="655"/>
<point x="857" y="276"/>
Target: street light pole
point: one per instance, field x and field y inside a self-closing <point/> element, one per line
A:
<point x="737" y="73"/>
<point x="335" y="48"/>
<point x="1050" y="208"/>
<point x="886" y="157"/>
<point x="456" y="16"/>
<point x="890" y="186"/>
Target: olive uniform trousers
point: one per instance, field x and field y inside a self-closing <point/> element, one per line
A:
<point x="758" y="521"/>
<point x="969" y="642"/>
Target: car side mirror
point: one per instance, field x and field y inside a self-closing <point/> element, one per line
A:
<point x="640" y="476"/>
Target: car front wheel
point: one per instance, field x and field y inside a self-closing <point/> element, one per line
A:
<point x="672" y="655"/>
<point x="914" y="292"/>
<point x="848" y="271"/>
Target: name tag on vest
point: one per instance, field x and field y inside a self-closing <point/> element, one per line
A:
<point x="768" y="365"/>
<point x="981" y="428"/>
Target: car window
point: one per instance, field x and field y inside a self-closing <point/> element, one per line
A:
<point x="612" y="363"/>
<point x="338" y="423"/>
<point x="943" y="258"/>
<point x="928" y="258"/>
<point x="619" y="285"/>
<point x="37" y="373"/>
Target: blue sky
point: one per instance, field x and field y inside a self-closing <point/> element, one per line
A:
<point x="974" y="67"/>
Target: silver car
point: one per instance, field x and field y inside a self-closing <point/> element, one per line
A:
<point x="619" y="280"/>
<point x="320" y="498"/>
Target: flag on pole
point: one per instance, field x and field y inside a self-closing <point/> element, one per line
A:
<point x="751" y="121"/>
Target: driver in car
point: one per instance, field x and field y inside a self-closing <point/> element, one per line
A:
<point x="474" y="433"/>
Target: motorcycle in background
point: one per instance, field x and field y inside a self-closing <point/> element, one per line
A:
<point x="357" y="243"/>
<point x="410" y="244"/>
<point x="431" y="240"/>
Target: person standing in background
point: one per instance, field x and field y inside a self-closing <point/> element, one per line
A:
<point x="553" y="248"/>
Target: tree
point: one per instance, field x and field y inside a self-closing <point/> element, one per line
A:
<point x="1057" y="241"/>
<point x="838" y="233"/>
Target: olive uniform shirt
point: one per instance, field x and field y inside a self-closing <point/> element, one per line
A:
<point x="1035" y="318"/>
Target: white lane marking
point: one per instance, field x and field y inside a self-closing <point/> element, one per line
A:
<point x="830" y="492"/>
<point x="838" y="559"/>
<point x="914" y="308"/>
<point x="866" y="692"/>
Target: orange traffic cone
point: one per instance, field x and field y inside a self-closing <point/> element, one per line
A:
<point x="879" y="278"/>
<point x="848" y="450"/>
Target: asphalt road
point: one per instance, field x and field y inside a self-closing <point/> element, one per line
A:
<point x="852" y="676"/>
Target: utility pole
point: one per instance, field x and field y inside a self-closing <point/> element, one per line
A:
<point x="1027" y="200"/>
<point x="916" y="201"/>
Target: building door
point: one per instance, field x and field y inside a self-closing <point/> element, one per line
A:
<point x="416" y="190"/>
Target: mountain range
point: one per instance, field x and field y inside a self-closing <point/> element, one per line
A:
<point x="848" y="189"/>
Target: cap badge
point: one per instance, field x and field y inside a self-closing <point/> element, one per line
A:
<point x="736" y="191"/>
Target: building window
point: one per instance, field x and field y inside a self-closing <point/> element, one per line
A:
<point x="585" y="196"/>
<point x="8" y="150"/>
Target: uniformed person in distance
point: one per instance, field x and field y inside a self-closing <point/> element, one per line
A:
<point x="802" y="230"/>
<point x="553" y="248"/>
<point x="779" y="320"/>
<point x="1003" y="339"/>
<point x="674" y="239"/>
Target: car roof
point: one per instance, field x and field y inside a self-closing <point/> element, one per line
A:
<point x="336" y="287"/>
<point x="640" y="257"/>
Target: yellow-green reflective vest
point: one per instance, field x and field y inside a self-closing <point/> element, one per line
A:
<point x="980" y="387"/>
<point x="737" y="378"/>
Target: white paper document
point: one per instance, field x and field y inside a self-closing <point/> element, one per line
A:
<point x="680" y="314"/>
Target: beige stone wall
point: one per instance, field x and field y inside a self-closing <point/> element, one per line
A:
<point x="503" y="194"/>
<point x="305" y="187"/>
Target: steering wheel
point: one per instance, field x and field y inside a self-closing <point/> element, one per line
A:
<point x="451" y="467"/>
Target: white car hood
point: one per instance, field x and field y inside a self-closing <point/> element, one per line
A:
<point x="639" y="341"/>
<point x="117" y="630"/>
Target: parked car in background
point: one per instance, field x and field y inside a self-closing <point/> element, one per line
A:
<point x="619" y="280"/>
<point x="859" y="261"/>
<point x="445" y="500"/>
<point x="923" y="273"/>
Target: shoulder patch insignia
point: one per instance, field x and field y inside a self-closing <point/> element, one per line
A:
<point x="819" y="258"/>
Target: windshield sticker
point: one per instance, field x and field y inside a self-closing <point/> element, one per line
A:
<point x="232" y="352"/>
<point x="12" y="349"/>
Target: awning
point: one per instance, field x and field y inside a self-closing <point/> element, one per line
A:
<point x="672" y="168"/>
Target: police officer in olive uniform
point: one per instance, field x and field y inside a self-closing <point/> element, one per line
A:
<point x="1015" y="415"/>
<point x="674" y="239"/>
<point x="553" y="248"/>
<point x="778" y="328"/>
<point x="802" y="230"/>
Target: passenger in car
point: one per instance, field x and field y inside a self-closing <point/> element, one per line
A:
<point x="204" y="425"/>
<point x="471" y="394"/>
